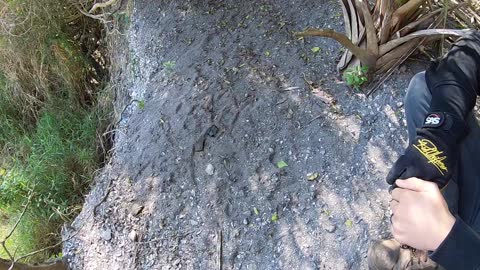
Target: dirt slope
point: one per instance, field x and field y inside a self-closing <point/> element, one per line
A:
<point x="194" y="182"/>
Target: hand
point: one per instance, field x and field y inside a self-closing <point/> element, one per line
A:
<point x="427" y="159"/>
<point x="432" y="156"/>
<point x="421" y="218"/>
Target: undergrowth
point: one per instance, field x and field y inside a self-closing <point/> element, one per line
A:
<point x="356" y="76"/>
<point x="51" y="71"/>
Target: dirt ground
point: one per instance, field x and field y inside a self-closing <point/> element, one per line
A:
<point x="194" y="181"/>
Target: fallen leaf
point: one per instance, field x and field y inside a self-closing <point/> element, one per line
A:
<point x="349" y="223"/>
<point x="282" y="164"/>
<point x="255" y="210"/>
<point x="316" y="49"/>
<point x="312" y="176"/>
<point x="267" y="53"/>
<point x="274" y="217"/>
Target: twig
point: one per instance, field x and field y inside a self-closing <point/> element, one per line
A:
<point x="100" y="17"/>
<point x="45" y="249"/>
<point x="109" y="188"/>
<point x="220" y="250"/>
<point x="102" y="5"/>
<point x="124" y="109"/>
<point x="311" y="121"/>
<point x="52" y="246"/>
<point x="13" y="229"/>
<point x="281" y="102"/>
<point x="291" y="88"/>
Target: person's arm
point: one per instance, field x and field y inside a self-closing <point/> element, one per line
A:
<point x="454" y="84"/>
<point x="460" y="249"/>
<point x="454" y="80"/>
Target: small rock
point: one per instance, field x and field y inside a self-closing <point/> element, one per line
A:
<point x="245" y="221"/>
<point x="133" y="236"/>
<point x="193" y="222"/>
<point x="210" y="170"/>
<point x="403" y="68"/>
<point x="200" y="144"/>
<point x="106" y="234"/>
<point x="212" y="131"/>
<point x="290" y="114"/>
<point x="330" y="227"/>
<point x="399" y="104"/>
<point x="136" y="209"/>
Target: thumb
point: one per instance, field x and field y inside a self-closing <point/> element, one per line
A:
<point x="414" y="184"/>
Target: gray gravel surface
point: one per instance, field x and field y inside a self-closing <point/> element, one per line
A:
<point x="195" y="183"/>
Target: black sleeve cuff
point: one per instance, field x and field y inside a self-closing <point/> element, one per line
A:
<point x="460" y="249"/>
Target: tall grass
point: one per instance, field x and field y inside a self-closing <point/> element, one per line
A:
<point x="49" y="114"/>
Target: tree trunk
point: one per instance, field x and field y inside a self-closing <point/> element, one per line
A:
<point x="57" y="265"/>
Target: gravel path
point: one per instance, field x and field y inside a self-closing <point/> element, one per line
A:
<point x="234" y="161"/>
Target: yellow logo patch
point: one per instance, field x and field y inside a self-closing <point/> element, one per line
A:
<point x="430" y="151"/>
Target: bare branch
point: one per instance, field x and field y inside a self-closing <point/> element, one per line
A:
<point x="12" y="230"/>
<point x="19" y="218"/>
<point x="365" y="57"/>
<point x="102" y="5"/>
<point x="432" y="33"/>
<point x="403" y="12"/>
<point x="372" y="41"/>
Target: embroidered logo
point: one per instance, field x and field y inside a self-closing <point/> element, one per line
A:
<point x="434" y="120"/>
<point x="430" y="151"/>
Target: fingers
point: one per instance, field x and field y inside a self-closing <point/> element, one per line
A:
<point x="394" y="228"/>
<point x="414" y="184"/>
<point x="397" y="194"/>
<point x="393" y="206"/>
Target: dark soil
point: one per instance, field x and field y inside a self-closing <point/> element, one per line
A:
<point x="194" y="181"/>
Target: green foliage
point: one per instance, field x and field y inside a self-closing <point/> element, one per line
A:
<point x="356" y="77"/>
<point x="141" y="104"/>
<point x="55" y="160"/>
<point x="51" y="70"/>
<point x="274" y="217"/>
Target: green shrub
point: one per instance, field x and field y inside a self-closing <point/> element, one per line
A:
<point x="356" y="77"/>
<point x="56" y="163"/>
<point x="50" y="117"/>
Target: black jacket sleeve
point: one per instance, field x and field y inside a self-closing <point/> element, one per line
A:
<point x="454" y="83"/>
<point x="454" y="80"/>
<point x="460" y="250"/>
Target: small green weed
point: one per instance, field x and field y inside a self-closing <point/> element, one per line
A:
<point x="141" y="104"/>
<point x="356" y="77"/>
<point x="169" y="66"/>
